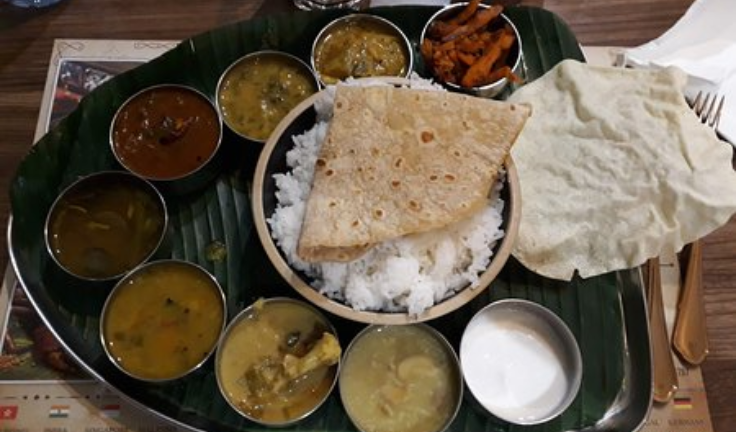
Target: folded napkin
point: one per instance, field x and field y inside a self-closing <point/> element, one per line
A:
<point x="703" y="44"/>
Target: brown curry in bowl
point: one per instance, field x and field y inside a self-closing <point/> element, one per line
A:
<point x="166" y="132"/>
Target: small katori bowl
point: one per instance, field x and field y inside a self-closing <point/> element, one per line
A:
<point x="257" y="90"/>
<point x="105" y="224"/>
<point x="408" y="369"/>
<point x="520" y="361"/>
<point x="163" y="320"/>
<point x="278" y="361"/>
<point x="361" y="45"/>
<point x="169" y="134"/>
<point x="513" y="58"/>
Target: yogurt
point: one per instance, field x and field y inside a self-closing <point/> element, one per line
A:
<point x="516" y="365"/>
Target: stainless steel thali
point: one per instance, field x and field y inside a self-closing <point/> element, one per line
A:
<point x="607" y="313"/>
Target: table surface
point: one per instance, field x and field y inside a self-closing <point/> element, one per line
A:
<point x="26" y="39"/>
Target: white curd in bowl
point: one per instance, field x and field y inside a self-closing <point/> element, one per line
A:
<point x="520" y="362"/>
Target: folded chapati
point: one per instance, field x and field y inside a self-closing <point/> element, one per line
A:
<point x="399" y="161"/>
<point x="614" y="169"/>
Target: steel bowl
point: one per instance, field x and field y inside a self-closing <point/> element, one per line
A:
<point x="165" y="137"/>
<point x="288" y="63"/>
<point x="160" y="321"/>
<point x="377" y="331"/>
<point x="250" y="316"/>
<point x="514" y="60"/>
<point x="101" y="183"/>
<point x="353" y="21"/>
<point x="520" y="361"/>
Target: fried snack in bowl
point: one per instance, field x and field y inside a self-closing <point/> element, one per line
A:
<point x="472" y="47"/>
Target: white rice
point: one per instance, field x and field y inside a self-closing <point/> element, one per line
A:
<point x="408" y="274"/>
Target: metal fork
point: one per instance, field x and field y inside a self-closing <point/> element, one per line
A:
<point x="708" y="108"/>
<point x="690" y="337"/>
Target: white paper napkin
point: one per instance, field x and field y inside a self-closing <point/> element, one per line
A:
<point x="703" y="44"/>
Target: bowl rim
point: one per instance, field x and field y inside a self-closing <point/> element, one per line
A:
<point x="249" y="57"/>
<point x="450" y="304"/>
<point x="129" y="177"/>
<point x="560" y="331"/>
<point x="360" y="16"/>
<point x="243" y="315"/>
<point x="486" y="90"/>
<point x="186" y="88"/>
<point x="433" y="332"/>
<point x="122" y="283"/>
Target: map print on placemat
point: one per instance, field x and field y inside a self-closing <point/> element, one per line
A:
<point x="30" y="351"/>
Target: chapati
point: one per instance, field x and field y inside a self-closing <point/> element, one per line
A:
<point x="398" y="161"/>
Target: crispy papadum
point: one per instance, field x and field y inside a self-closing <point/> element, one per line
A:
<point x="615" y="168"/>
<point x="399" y="161"/>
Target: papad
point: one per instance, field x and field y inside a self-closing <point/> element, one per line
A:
<point x="615" y="168"/>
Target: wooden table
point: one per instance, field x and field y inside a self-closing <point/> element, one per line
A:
<point x="25" y="45"/>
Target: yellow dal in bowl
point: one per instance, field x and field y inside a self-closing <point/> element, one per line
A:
<point x="256" y="92"/>
<point x="163" y="320"/>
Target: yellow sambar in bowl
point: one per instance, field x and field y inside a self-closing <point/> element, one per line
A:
<point x="163" y="320"/>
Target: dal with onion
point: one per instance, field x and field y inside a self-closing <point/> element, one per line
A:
<point x="256" y="92"/>
<point x="163" y="320"/>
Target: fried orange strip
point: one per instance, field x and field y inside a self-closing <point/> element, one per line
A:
<point x="478" y="73"/>
<point x="440" y="29"/>
<point x="503" y="72"/>
<point x="467" y="59"/>
<point x="470" y="46"/>
<point x="466" y="13"/>
<point x="478" y="21"/>
<point x="427" y="50"/>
